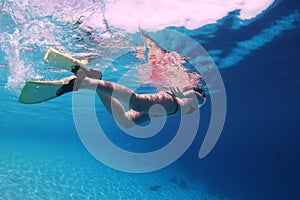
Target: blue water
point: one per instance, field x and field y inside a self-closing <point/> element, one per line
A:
<point x="256" y="157"/>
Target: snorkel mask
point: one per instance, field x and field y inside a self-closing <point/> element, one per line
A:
<point x="201" y="96"/>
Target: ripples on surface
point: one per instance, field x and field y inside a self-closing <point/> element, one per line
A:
<point x="28" y="28"/>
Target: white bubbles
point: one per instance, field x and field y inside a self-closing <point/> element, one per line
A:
<point x="18" y="70"/>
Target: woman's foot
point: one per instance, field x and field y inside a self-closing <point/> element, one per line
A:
<point x="68" y="85"/>
<point x="91" y="73"/>
<point x="71" y="83"/>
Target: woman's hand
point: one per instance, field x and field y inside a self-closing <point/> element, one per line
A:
<point x="177" y="92"/>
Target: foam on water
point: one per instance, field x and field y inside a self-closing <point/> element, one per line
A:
<point x="18" y="71"/>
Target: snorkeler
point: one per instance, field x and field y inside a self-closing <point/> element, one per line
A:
<point x="174" y="102"/>
<point x="142" y="106"/>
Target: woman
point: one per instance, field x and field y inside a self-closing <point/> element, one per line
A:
<point x="174" y="102"/>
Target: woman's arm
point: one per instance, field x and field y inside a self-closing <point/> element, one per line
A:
<point x="187" y="105"/>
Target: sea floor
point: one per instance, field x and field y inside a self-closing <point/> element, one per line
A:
<point x="37" y="169"/>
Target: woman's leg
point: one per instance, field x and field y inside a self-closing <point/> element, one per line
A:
<point x="140" y="103"/>
<point x="107" y="88"/>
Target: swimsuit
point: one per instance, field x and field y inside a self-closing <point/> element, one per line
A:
<point x="141" y="104"/>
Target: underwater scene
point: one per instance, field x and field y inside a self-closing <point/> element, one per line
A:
<point x="213" y="110"/>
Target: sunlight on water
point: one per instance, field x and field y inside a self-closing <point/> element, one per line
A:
<point x="91" y="28"/>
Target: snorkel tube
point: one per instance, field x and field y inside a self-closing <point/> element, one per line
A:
<point x="200" y="93"/>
